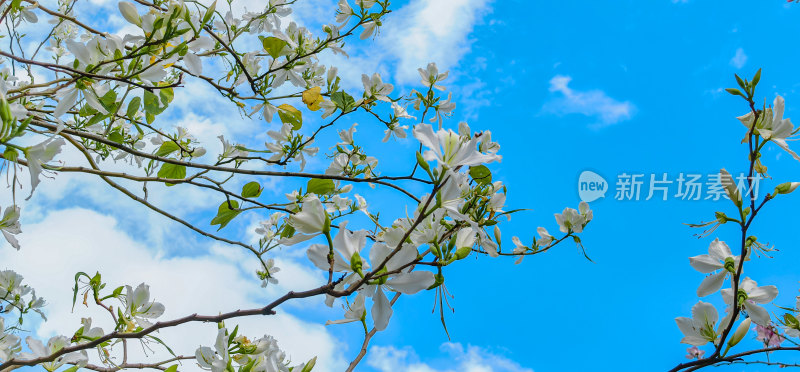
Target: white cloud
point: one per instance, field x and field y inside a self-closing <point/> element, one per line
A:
<point x="418" y="33"/>
<point x="461" y="359"/>
<point x="739" y="59"/>
<point x="72" y="240"/>
<point x="431" y="31"/>
<point x="593" y="103"/>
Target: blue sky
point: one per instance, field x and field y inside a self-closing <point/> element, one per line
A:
<point x="612" y="87"/>
<point x="667" y="63"/>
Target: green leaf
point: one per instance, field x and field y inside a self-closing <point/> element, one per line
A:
<point x="481" y="174"/>
<point x="167" y="148"/>
<point x="734" y="91"/>
<point x="116" y="136"/>
<point x="172" y="171"/>
<point x="72" y="369"/>
<point x="166" y="94"/>
<point x="172" y="368"/>
<point x="290" y="115"/>
<point x="251" y="190"/>
<point x="320" y="186"/>
<point x="225" y="214"/>
<point x="288" y="231"/>
<point x="756" y="78"/>
<point x="273" y="45"/>
<point x="151" y="104"/>
<point x="343" y="100"/>
<point x="109" y="101"/>
<point x="133" y="107"/>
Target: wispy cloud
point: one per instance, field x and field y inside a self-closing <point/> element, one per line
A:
<point x="739" y="59"/>
<point x="459" y="358"/>
<point x="592" y="103"/>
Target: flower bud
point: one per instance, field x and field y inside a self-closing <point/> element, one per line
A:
<point x="422" y="163"/>
<point x="129" y="12"/>
<point x="5" y="110"/>
<point x="462" y="253"/>
<point x="327" y="227"/>
<point x="356" y="264"/>
<point x="730" y="187"/>
<point x="786" y="187"/>
<point x="744" y="326"/>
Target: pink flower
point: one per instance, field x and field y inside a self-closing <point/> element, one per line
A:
<point x="768" y="336"/>
<point x="693" y="352"/>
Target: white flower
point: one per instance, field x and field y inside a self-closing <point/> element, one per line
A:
<point x="369" y="29"/>
<point x="39" y="155"/>
<point x="88" y="333"/>
<point x="139" y="308"/>
<point x="398" y="131"/>
<point x="39" y="350"/>
<point x="699" y="330"/>
<point x="400" y="112"/>
<point x="544" y="237"/>
<point x="430" y="76"/>
<point x="270" y="270"/>
<point x="10" y="226"/>
<point x="749" y="296"/>
<point x="772" y="126"/>
<point x="347" y="135"/>
<point x="444" y="108"/>
<point x="572" y="220"/>
<point x="230" y="151"/>
<point x="348" y="244"/>
<point x="343" y="12"/>
<point x="354" y="312"/>
<point x="719" y="257"/>
<point x="214" y="360"/>
<point x="193" y="63"/>
<point x="311" y="220"/>
<point x="376" y="88"/>
<point x="9" y="344"/>
<point x="449" y="149"/>
<point x="407" y="282"/>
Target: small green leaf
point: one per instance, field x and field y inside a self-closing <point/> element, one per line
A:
<point x="151" y="104"/>
<point x="172" y="171"/>
<point x="225" y="214"/>
<point x="290" y="115"/>
<point x="167" y="148"/>
<point x="109" y="100"/>
<point x="251" y="190"/>
<point x="133" y="107"/>
<point x="273" y="45"/>
<point x="172" y="368"/>
<point x="343" y="100"/>
<point x="756" y="78"/>
<point x="320" y="186"/>
<point x="166" y="94"/>
<point x="734" y="91"/>
<point x="481" y="174"/>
